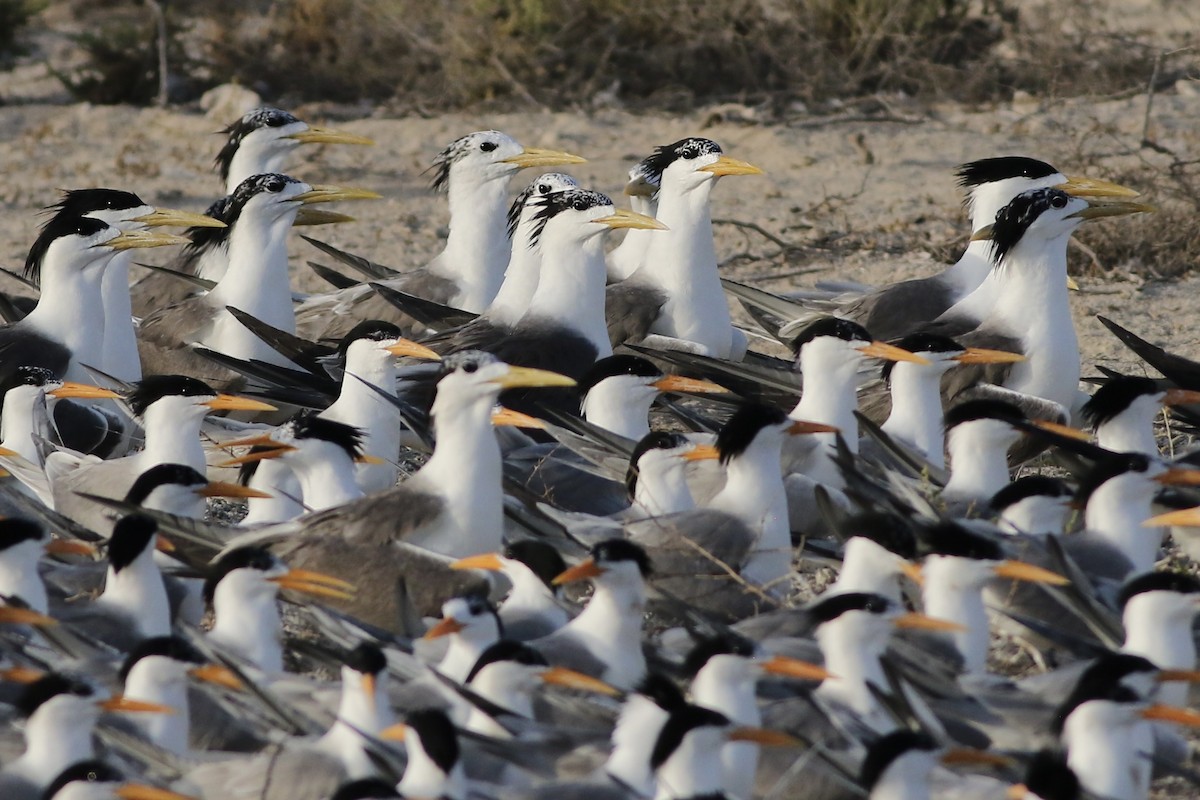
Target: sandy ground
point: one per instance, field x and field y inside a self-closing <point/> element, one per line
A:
<point x="860" y="199"/>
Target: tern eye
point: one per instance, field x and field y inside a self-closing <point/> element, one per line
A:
<point x="580" y="205"/>
<point x="487" y="147"/>
<point x="689" y="152"/>
<point x="275" y="185"/>
<point x="1058" y="201"/>
<point x="543" y="188"/>
<point x="470" y="366"/>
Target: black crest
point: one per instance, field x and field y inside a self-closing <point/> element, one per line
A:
<point x="612" y="366"/>
<point x="130" y="538"/>
<point x="242" y="558"/>
<point x="836" y="327"/>
<point x="251" y="121"/>
<point x="951" y="539"/>
<point x="682" y="720"/>
<point x="737" y="434"/>
<point x="163" y="475"/>
<point x="991" y="170"/>
<point x="172" y="647"/>
<point x="1102" y="681"/>
<point x="366" y="789"/>
<point x="485" y="141"/>
<point x="1116" y="395"/>
<point x="1179" y="582"/>
<point x="1049" y="777"/>
<point x="376" y="330"/>
<point x="14" y="530"/>
<point x="1015" y="218"/>
<point x="614" y="550"/>
<point x="544" y="560"/>
<point x="542" y="186"/>
<point x="886" y="530"/>
<point x="438" y="738"/>
<point x="921" y="343"/>
<point x="56" y="227"/>
<point x="308" y="425"/>
<point x="885" y="750"/>
<point x="974" y="410"/>
<point x="156" y="387"/>
<point x="47" y="688"/>
<point x="828" y="609"/>
<point x="655" y="440"/>
<point x="507" y="650"/>
<point x="366" y="658"/>
<point x="32" y="376"/>
<point x="1105" y="470"/>
<point x="705" y="649"/>
<point x="551" y="205"/>
<point x="203" y="238"/>
<point x="1026" y="487"/>
<point x="81" y="202"/>
<point x="652" y="167"/>
<point x="663" y="691"/>
<point x="90" y="771"/>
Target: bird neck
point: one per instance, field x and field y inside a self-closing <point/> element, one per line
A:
<point x="358" y="714"/>
<point x="19" y="576"/>
<point x="121" y="358"/>
<point x="952" y="591"/>
<point x="626" y="257"/>
<point x="502" y="684"/>
<point x="1155" y="628"/>
<point x="830" y="394"/>
<point x="1033" y="303"/>
<point x="916" y="416"/>
<point x="971" y="270"/>
<point x="138" y="592"/>
<point x="465" y="649"/>
<point x="620" y="408"/>
<point x="1115" y="513"/>
<point x="570" y="292"/>
<point x="424" y="778"/>
<point x="249" y="626"/>
<point x="663" y="491"/>
<point x="851" y="656"/>
<point x="168" y="731"/>
<point x="256" y="281"/>
<point x="611" y="627"/>
<point x="465" y="470"/>
<point x="477" y="248"/>
<point x="1035" y="516"/>
<point x="360" y="405"/>
<point x="682" y="261"/>
<point x="694" y="769"/>
<point x="868" y="567"/>
<point x="633" y="737"/>
<point x="70" y="310"/>
<point x="277" y="480"/>
<point x="731" y="694"/>
<point x="171" y="438"/>
<point x="899" y="783"/>
<point x="22" y="406"/>
<point x="520" y="278"/>
<point x="326" y="478"/>
<point x="1128" y="433"/>
<point x="754" y="493"/>
<point x="52" y="744"/>
<point x="1100" y="748"/>
<point x="528" y="593"/>
<point x="978" y="463"/>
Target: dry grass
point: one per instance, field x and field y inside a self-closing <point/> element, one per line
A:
<point x="668" y="54"/>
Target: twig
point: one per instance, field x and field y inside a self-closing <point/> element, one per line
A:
<point x="516" y="85"/>
<point x="160" y="25"/>
<point x="751" y="226"/>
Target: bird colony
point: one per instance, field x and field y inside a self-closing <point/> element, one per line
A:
<point x="537" y="519"/>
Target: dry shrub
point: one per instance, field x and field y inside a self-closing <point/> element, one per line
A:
<point x="1165" y="244"/>
<point x="14" y="17"/>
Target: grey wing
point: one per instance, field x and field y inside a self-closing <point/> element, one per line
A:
<point x="631" y="309"/>
<point x="899" y="309"/>
<point x="563" y="649"/>
<point x="331" y="316"/>
<point x="282" y="773"/>
<point x="961" y="378"/>
<point x="164" y="340"/>
<point x="110" y="479"/>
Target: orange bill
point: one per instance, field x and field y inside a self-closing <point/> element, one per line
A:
<point x="72" y="547"/>
<point x="979" y="355"/>
<point x="702" y="452"/>
<point x="561" y="676"/>
<point x="763" y="737"/>
<point x="217" y="675"/>
<point x="506" y="417"/>
<point x="83" y="391"/>
<point x="443" y="627"/>
<point x="794" y="668"/>
<point x="801" y="426"/>
<point x="1021" y="571"/>
<point x="121" y="703"/>
<point x="228" y="489"/>
<point x="411" y="349"/>
<point x="915" y="621"/>
<point x="588" y="568"/>
<point x="229" y="402"/>
<point x="677" y="383"/>
<point x="486" y="561"/>
<point x="890" y="352"/>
